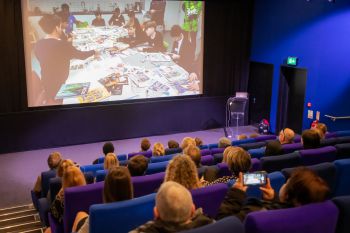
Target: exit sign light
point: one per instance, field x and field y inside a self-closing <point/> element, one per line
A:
<point x="292" y="61"/>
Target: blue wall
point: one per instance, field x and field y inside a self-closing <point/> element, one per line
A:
<point x="318" y="32"/>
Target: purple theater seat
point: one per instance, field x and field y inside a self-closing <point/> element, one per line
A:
<point x="319" y="155"/>
<point x="279" y="162"/>
<point x="297" y="139"/>
<point x="330" y="135"/>
<point x="147" y="184"/>
<point x="209" y="198"/>
<point x="91" y="168"/>
<point x="54" y="225"/>
<point x="289" y="148"/>
<point x="205" y="152"/>
<point x="228" y="224"/>
<point x="207" y="160"/>
<point x="80" y="199"/>
<point x="265" y="138"/>
<point x="157" y="167"/>
<point x="147" y="154"/>
<point x="217" y="150"/>
<point x="312" y="218"/>
<point x="223" y="170"/>
<point x="256" y="166"/>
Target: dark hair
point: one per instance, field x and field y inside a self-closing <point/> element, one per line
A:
<point x="273" y="148"/>
<point x="304" y="186"/>
<point x="198" y="141"/>
<point x="138" y="165"/>
<point x="131" y="14"/>
<point x="108" y="148"/>
<point x="150" y="24"/>
<point x="64" y="6"/>
<point x="54" y="160"/>
<point x="145" y="144"/>
<point x="117" y="10"/>
<point x="175" y="31"/>
<point x="97" y="13"/>
<point x="311" y="139"/>
<point x="118" y="186"/>
<point x="48" y="23"/>
<point x="195" y="154"/>
<point x="172" y="144"/>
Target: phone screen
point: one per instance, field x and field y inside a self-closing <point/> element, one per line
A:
<point x="256" y="178"/>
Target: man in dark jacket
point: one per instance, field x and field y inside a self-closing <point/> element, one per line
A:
<point x="174" y="211"/>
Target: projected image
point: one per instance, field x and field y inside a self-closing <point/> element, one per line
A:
<point x="106" y="50"/>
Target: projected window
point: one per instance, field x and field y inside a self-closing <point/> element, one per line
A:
<point x="103" y="50"/>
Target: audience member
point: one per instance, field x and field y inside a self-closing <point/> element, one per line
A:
<point x="145" y="145"/>
<point x="303" y="187"/>
<point x="158" y="149"/>
<point x="322" y="130"/>
<point x="242" y="137"/>
<point x="138" y="165"/>
<point x="117" y="187"/>
<point x="154" y="38"/>
<point x="224" y="142"/>
<point x="106" y="149"/>
<point x="98" y="21"/>
<point x="310" y="139"/>
<point x="273" y="148"/>
<point x="174" y="211"/>
<point x="117" y="19"/>
<point x="195" y="154"/>
<point x="182" y="170"/>
<point x="186" y="142"/>
<point x="62" y="167"/>
<point x="254" y="135"/>
<point x="172" y="144"/>
<point x="111" y="161"/>
<point x="286" y="136"/>
<point x="198" y="141"/>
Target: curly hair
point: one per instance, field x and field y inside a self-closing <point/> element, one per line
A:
<point x="182" y="170"/>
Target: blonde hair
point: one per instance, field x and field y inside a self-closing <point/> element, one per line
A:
<point x="110" y="161"/>
<point x="72" y="177"/>
<point x="237" y="159"/>
<point x="182" y="170"/>
<point x="242" y="137"/>
<point x="158" y="149"/>
<point x="322" y="129"/>
<point x="186" y="142"/>
<point x="62" y="167"/>
<point x="224" y="142"/>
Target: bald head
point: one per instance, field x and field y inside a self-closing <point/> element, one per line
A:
<point x="174" y="203"/>
<point x="286" y="136"/>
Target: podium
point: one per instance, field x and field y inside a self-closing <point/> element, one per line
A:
<point x="236" y="109"/>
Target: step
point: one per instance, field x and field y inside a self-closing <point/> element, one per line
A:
<point x="36" y="230"/>
<point x="16" y="209"/>
<point x="18" y="214"/>
<point x="22" y="227"/>
<point x="19" y="220"/>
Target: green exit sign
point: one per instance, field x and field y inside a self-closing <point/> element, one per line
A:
<point x="292" y="61"/>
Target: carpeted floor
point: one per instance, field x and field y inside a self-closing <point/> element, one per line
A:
<point x="19" y="170"/>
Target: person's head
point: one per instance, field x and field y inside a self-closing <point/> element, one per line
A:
<point x="174" y="203"/>
<point x="187" y="141"/>
<point x="176" y="32"/>
<point x="322" y="129"/>
<point x="116" y="11"/>
<point x="131" y="14"/>
<point x="286" y="136"/>
<point x="110" y="161"/>
<point x="310" y="139"/>
<point x="63" y="165"/>
<point x="72" y="177"/>
<point x="51" y="24"/>
<point x="195" y="154"/>
<point x="131" y="30"/>
<point x="54" y="160"/>
<point x="108" y="148"/>
<point x="150" y="28"/>
<point x="158" y="149"/>
<point x="138" y="165"/>
<point x="303" y="187"/>
<point x="242" y="137"/>
<point x="273" y="148"/>
<point x="237" y="159"/>
<point x="65" y="8"/>
<point x="145" y="144"/>
<point x="198" y="141"/>
<point x="172" y="144"/>
<point x="118" y="186"/>
<point x="98" y="15"/>
<point x="254" y="135"/>
<point x="224" y="142"/>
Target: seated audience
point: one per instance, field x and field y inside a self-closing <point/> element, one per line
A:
<point x="110" y="161"/>
<point x="303" y="187"/>
<point x="286" y="136"/>
<point x="62" y="167"/>
<point x="237" y="159"/>
<point x="198" y="141"/>
<point x="145" y="145"/>
<point x="242" y="137"/>
<point x="174" y="211"/>
<point x="182" y="170"/>
<point x="117" y="187"/>
<point x="117" y="19"/>
<point x="53" y="162"/>
<point x="172" y="144"/>
<point x="224" y="142"/>
<point x="310" y="139"/>
<point x="322" y="130"/>
<point x="158" y="149"/>
<point x="194" y="153"/>
<point x="138" y="165"/>
<point x="186" y="142"/>
<point x="106" y="149"/>
<point x="154" y="38"/>
<point x="254" y="135"/>
<point x="98" y="21"/>
<point x="273" y="148"/>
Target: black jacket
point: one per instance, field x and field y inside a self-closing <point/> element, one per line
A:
<point x="236" y="203"/>
<point x="186" y="52"/>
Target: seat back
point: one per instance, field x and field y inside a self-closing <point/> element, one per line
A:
<point x="217" y="150"/>
<point x="147" y="184"/>
<point x="209" y="198"/>
<point x="343" y="204"/>
<point x="312" y="218"/>
<point x="343" y="150"/>
<point x="80" y="199"/>
<point x="265" y="138"/>
<point x="228" y="224"/>
<point x="207" y="160"/>
<point x="101" y="175"/>
<point x="254" y="145"/>
<point x="157" y="159"/>
<point x="343" y="133"/>
<point x="290" y="148"/>
<point x="202" y="147"/>
<point x="205" y="152"/>
<point x="344" y="139"/>
<point x="45" y="181"/>
<point x="121" y="216"/>
<point x="343" y="177"/>
<point x="55" y="186"/>
<point x="297" y="139"/>
<point x="256" y="165"/>
<point x="257" y="153"/>
<point x="277" y="163"/>
<point x="91" y="168"/>
<point x="328" y="142"/>
<point x="218" y="158"/>
<point x="330" y="135"/>
<point x="171" y="151"/>
<point x="319" y="155"/>
<point x="244" y="141"/>
<point x="156" y="167"/>
<point x="223" y="170"/>
<point x="147" y="154"/>
<point x="213" y="145"/>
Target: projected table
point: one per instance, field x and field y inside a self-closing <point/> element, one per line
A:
<point x="123" y="73"/>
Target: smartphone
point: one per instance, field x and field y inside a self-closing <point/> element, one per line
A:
<point x="255" y="178"/>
